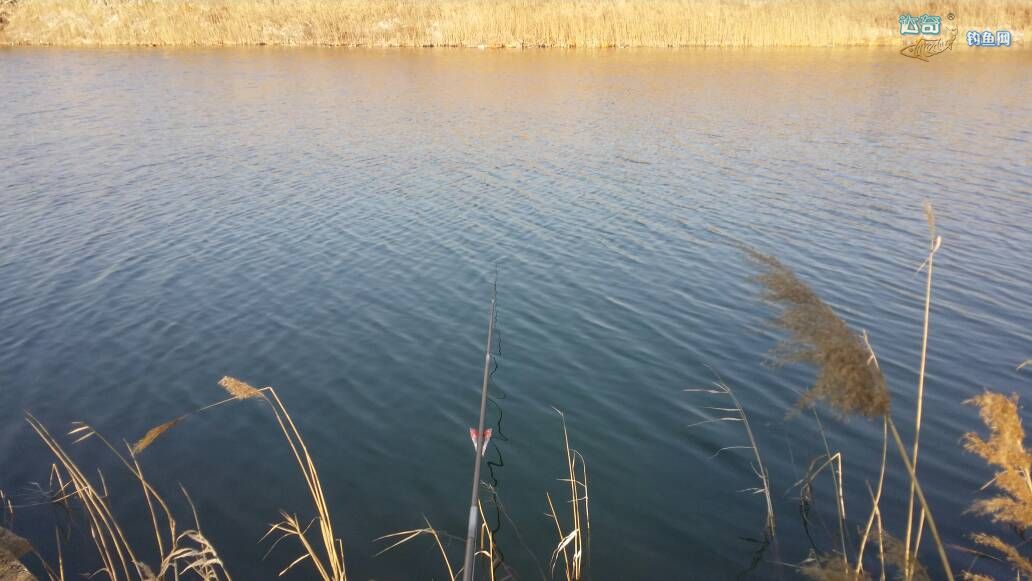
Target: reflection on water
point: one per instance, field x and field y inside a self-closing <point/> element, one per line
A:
<point x="328" y="221"/>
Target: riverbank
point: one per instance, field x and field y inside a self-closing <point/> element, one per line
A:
<point x="479" y="23"/>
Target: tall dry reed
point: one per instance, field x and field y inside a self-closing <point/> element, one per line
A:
<point x="189" y="552"/>
<point x="573" y="540"/>
<point x="849" y="379"/>
<point x="472" y="23"/>
<point x="935" y="243"/>
<point x="179" y="553"/>
<point x="737" y="414"/>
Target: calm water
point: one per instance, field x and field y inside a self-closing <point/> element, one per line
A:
<point x="328" y="222"/>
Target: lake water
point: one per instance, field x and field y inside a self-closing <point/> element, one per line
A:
<point x="329" y="222"/>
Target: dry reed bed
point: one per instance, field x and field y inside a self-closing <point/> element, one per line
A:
<point x="483" y="23"/>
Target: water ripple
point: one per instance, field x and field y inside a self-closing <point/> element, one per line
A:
<point x="328" y="222"/>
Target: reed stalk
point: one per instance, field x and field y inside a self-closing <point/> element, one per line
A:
<point x="188" y="551"/>
<point x="327" y="556"/>
<point x="875" y="516"/>
<point x="934" y="245"/>
<point x="849" y="379"/>
<point x="721" y="388"/>
<point x="406" y="536"/>
<point x="572" y="546"/>
<point x="876" y="496"/>
<point x="940" y="548"/>
<point x="834" y="461"/>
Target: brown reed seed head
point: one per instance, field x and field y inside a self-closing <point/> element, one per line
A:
<point x="153" y="434"/>
<point x="1005" y="450"/>
<point x="239" y="389"/>
<point x="11" y="569"/>
<point x="13" y="544"/>
<point x="12" y="548"/>
<point x="848" y="379"/>
<point x="1011" y="554"/>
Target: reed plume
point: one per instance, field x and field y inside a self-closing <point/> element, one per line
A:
<point x="153" y="434"/>
<point x="12" y="549"/>
<point x="848" y="379"/>
<point x="239" y="389"/>
<point x="13" y="544"/>
<point x="326" y="555"/>
<point x="1021" y="564"/>
<point x="180" y="553"/>
<point x="1005" y="450"/>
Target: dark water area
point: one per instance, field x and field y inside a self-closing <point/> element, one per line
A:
<point x="329" y="222"/>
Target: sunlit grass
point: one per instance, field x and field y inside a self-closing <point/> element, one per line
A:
<point x="473" y="23"/>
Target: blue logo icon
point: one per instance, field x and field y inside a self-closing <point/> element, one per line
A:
<point x="924" y="24"/>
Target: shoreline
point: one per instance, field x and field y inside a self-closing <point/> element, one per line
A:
<point x="513" y="25"/>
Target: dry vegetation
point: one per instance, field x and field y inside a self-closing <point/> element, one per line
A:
<point x="188" y="553"/>
<point x="489" y="23"/>
<point x="1005" y="450"/>
<point x="849" y="381"/>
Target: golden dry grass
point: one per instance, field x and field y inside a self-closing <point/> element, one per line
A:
<point x="1005" y="450"/>
<point x="573" y="544"/>
<point x="849" y="378"/>
<point x="188" y="553"/>
<point x="489" y="23"/>
<point x="486" y="550"/>
<point x="180" y="553"/>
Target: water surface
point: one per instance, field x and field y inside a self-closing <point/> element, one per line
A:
<point x="329" y="221"/>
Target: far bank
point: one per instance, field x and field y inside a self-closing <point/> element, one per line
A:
<point x="479" y="23"/>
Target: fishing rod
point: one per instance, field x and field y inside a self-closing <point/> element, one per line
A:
<point x="479" y="447"/>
